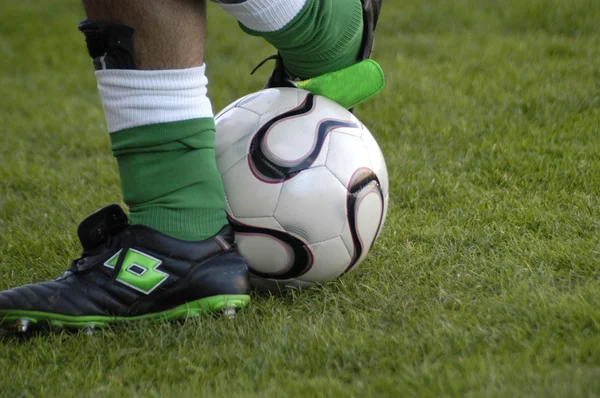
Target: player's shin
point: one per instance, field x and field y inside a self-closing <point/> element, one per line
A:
<point x="160" y="120"/>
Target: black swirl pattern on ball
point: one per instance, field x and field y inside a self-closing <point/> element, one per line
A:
<point x="363" y="179"/>
<point x="274" y="172"/>
<point x="303" y="258"/>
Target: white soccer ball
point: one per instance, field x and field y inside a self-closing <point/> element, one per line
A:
<point x="306" y="186"/>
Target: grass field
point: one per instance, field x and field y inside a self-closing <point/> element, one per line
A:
<point x="486" y="281"/>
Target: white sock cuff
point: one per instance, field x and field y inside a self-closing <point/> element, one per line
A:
<point x="133" y="98"/>
<point x="265" y="15"/>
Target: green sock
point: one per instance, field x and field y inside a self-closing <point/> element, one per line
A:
<point x="324" y="37"/>
<point x="170" y="179"/>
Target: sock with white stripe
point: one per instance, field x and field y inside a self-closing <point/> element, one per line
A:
<point x="162" y="134"/>
<point x="313" y="37"/>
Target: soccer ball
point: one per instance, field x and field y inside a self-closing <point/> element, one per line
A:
<point x="306" y="186"/>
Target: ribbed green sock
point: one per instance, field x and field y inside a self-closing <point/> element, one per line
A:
<point x="324" y="37"/>
<point x="170" y="179"/>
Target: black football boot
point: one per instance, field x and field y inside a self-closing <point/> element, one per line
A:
<point x="132" y="272"/>
<point x="371" y="10"/>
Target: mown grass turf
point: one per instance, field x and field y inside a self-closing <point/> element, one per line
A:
<point x="484" y="283"/>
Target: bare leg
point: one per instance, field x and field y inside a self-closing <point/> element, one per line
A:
<point x="168" y="34"/>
